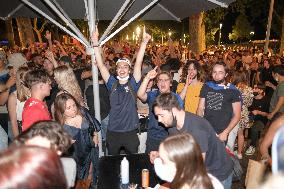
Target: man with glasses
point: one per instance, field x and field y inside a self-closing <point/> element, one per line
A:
<point x="156" y="131"/>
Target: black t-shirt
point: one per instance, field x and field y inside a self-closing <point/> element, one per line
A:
<point x="261" y="105"/>
<point x="217" y="161"/>
<point x="78" y="73"/>
<point x="104" y="100"/>
<point x="218" y="106"/>
<point x="266" y="75"/>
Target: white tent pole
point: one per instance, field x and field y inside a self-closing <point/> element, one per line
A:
<point x="129" y="21"/>
<point x="221" y="4"/>
<point x="54" y="21"/>
<point x="92" y="19"/>
<point x="114" y="20"/>
<point x="15" y="10"/>
<point x="75" y="29"/>
<point x="169" y="12"/>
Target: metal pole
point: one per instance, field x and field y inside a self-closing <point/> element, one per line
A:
<point x="15" y="10"/>
<point x="129" y="21"/>
<point x="169" y="12"/>
<point x="64" y="13"/>
<point x="53" y="21"/>
<point x="221" y="4"/>
<point x="92" y="19"/>
<point x="71" y="26"/>
<point x="268" y="26"/>
<point x="114" y="20"/>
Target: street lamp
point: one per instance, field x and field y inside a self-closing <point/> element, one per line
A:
<point x="170" y="34"/>
<point x="220" y="34"/>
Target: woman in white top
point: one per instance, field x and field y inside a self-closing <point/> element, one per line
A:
<point x="181" y="164"/>
<point x="17" y="100"/>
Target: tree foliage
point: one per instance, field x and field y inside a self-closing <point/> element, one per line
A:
<point x="241" y="29"/>
<point x="212" y="20"/>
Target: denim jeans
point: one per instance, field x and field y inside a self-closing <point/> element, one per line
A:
<point x="232" y="137"/>
<point x="227" y="183"/>
<point x="3" y="139"/>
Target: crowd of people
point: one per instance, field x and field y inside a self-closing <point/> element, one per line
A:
<point x="197" y="109"/>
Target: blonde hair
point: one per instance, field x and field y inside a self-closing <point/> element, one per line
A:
<point x="67" y="81"/>
<point x="23" y="92"/>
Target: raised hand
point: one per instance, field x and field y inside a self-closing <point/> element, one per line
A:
<point x="146" y="36"/>
<point x="49" y="55"/>
<point x="48" y="35"/>
<point x="189" y="79"/>
<point x="95" y="37"/>
<point x="152" y="74"/>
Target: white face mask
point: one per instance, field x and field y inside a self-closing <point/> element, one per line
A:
<point x="123" y="79"/>
<point x="163" y="171"/>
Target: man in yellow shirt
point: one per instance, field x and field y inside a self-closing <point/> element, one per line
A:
<point x="190" y="86"/>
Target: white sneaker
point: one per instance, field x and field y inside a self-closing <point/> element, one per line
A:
<point x="250" y="151"/>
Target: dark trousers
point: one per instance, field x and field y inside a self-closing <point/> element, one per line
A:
<point x="122" y="140"/>
<point x="255" y="131"/>
<point x="152" y="145"/>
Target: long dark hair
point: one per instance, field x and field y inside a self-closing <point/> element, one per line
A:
<point x="60" y="106"/>
<point x="190" y="169"/>
<point x="196" y="66"/>
<point x="30" y="167"/>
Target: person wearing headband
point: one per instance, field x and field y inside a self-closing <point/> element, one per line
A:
<point x="123" y="116"/>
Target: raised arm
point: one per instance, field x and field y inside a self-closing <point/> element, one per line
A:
<point x="63" y="52"/>
<point x="182" y="94"/>
<point x="48" y="37"/>
<point x="141" y="93"/>
<point x="103" y="69"/>
<point x="49" y="55"/>
<point x="140" y="55"/>
<point x="234" y="121"/>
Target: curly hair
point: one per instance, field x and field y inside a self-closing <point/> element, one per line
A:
<point x="196" y="66"/>
<point x="59" y="139"/>
<point x="66" y="80"/>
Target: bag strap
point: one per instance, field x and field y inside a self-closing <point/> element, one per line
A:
<point x="94" y="122"/>
<point x="132" y="92"/>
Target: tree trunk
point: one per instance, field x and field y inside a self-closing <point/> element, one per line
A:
<point x="10" y="32"/>
<point x="282" y="38"/>
<point x="25" y="31"/>
<point x="38" y="33"/>
<point x="197" y="33"/>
